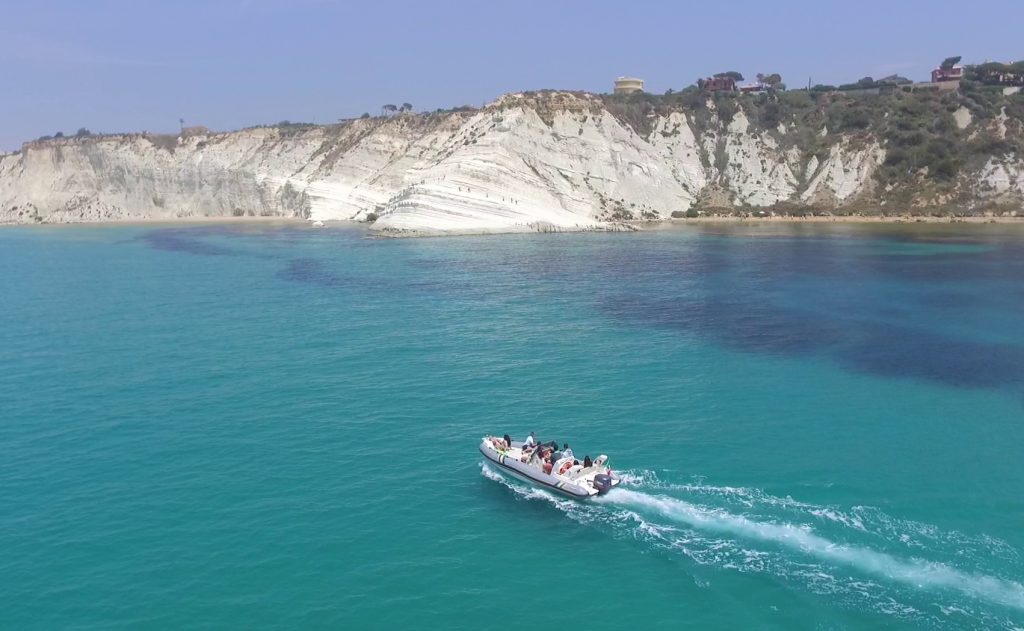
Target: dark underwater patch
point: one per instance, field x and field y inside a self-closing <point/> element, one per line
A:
<point x="312" y="271"/>
<point x="188" y="240"/>
<point x="905" y="352"/>
<point x="733" y="322"/>
<point x="868" y="310"/>
<point x="857" y="344"/>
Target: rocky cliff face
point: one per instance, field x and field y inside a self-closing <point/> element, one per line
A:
<point x="555" y="161"/>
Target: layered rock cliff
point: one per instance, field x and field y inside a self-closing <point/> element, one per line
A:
<point x="546" y="161"/>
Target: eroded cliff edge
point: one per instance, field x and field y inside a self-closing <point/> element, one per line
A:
<point x="549" y="161"/>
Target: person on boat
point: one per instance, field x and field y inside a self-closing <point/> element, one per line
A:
<point x="508" y="441"/>
<point x="587" y="461"/>
<point x="529" y="448"/>
<point x="567" y="451"/>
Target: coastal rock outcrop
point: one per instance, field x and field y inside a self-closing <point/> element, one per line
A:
<point x="527" y="162"/>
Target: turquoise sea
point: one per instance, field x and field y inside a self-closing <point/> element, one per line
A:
<point x="274" y="426"/>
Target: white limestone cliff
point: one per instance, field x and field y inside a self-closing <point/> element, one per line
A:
<point x="563" y="162"/>
<point x="1001" y="177"/>
<point x="844" y="173"/>
<point x="759" y="173"/>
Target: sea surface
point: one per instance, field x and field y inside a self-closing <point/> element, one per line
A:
<point x="274" y="426"/>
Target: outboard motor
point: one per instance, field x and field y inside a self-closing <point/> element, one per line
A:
<point x="603" y="483"/>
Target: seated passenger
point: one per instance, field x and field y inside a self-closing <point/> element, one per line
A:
<point x="508" y="441"/>
<point x="531" y="441"/>
<point x="587" y="461"/>
<point x="567" y="451"/>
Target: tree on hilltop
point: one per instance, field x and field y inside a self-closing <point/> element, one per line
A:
<point x="732" y="74"/>
<point x="770" y="80"/>
<point x="388" y="109"/>
<point x="994" y="72"/>
<point x="949" y="62"/>
<point x="406" y="107"/>
<point x="894" y="79"/>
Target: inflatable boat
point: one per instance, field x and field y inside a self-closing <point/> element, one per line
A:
<point x="545" y="466"/>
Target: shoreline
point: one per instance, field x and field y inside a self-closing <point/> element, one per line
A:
<point x="631" y="226"/>
<point x="168" y="221"/>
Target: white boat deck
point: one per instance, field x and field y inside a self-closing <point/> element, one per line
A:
<point x="566" y="470"/>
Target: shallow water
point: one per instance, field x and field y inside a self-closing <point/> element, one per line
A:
<point x="266" y="426"/>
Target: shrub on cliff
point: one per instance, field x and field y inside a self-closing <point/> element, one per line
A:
<point x="288" y="128"/>
<point x="921" y="137"/>
<point x="691" y="213"/>
<point x="633" y="110"/>
<point x="725" y="104"/>
<point x="167" y="142"/>
<point x="771" y="114"/>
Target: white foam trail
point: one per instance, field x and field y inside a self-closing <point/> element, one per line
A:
<point x="917" y="573"/>
<point x="491" y="474"/>
<point x="865" y="519"/>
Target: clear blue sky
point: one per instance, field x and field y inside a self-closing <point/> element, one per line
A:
<point x="119" y="65"/>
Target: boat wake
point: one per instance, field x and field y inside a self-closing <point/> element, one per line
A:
<point x="860" y="557"/>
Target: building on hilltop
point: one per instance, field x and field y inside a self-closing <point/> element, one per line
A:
<point x="754" y="87"/>
<point x="628" y="85"/>
<point x="953" y="73"/>
<point x="718" y="83"/>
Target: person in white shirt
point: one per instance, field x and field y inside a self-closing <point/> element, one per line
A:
<point x="567" y="452"/>
<point x="531" y="441"/>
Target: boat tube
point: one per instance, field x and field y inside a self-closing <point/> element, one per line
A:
<point x="563" y="475"/>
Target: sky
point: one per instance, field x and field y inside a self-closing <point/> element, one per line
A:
<point x="119" y="65"/>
